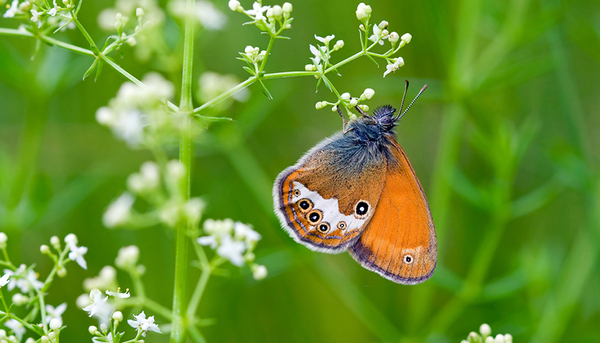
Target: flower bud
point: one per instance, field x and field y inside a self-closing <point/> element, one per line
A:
<point x="287" y="7"/>
<point x="384" y="24"/>
<point x="92" y="330"/>
<point x="345" y="96"/>
<point x="249" y="49"/>
<point x="364" y="107"/>
<point x="71" y="239"/>
<point x="259" y="272"/>
<point x="353" y="102"/>
<point x="30" y="340"/>
<point x="56" y="323"/>
<point x="321" y="104"/>
<point x="485" y="330"/>
<point x="334" y="108"/>
<point x="394" y="36"/>
<point x="118" y="316"/>
<point x="103" y="327"/>
<point x="20" y="299"/>
<point x="277" y="11"/>
<point x="499" y="338"/>
<point x="234" y="5"/>
<point x="406" y="38"/>
<point x="51" y="336"/>
<point x="139" y="12"/>
<point x="55" y="241"/>
<point x="44" y="249"/>
<point x="368" y="93"/>
<point x="489" y="339"/>
<point x="338" y="45"/>
<point x="61" y="272"/>
<point x="128" y="256"/>
<point x="310" y="67"/>
<point x="45" y="339"/>
<point x="385" y="33"/>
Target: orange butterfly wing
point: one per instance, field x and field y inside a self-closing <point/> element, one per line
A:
<point x="399" y="243"/>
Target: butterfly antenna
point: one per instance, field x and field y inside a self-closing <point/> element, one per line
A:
<point x="403" y="96"/>
<point x="412" y="102"/>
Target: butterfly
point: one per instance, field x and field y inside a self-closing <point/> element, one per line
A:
<point x="356" y="191"/>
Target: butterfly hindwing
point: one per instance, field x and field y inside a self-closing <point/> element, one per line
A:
<point x="399" y="243"/>
<point x="327" y="198"/>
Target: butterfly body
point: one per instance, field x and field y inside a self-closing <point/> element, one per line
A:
<point x="357" y="191"/>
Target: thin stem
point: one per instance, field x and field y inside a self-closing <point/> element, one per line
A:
<point x="15" y="32"/>
<point x="85" y="34"/>
<point x="66" y="46"/>
<point x="199" y="291"/>
<point x="179" y="322"/>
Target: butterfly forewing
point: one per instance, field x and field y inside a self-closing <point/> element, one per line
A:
<point x="399" y="242"/>
<point x="323" y="203"/>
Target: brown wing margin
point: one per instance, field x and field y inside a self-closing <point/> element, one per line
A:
<point x="399" y="242"/>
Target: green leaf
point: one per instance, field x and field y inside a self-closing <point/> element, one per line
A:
<point x="265" y="91"/>
<point x="249" y="70"/>
<point x="91" y="68"/>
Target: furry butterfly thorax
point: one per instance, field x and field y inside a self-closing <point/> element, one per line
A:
<point x="356" y="191"/>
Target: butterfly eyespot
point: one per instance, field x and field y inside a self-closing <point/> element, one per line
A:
<point x="408" y="259"/>
<point x="342" y="225"/>
<point x="361" y="209"/>
<point x="296" y="193"/>
<point x="305" y="205"/>
<point x="323" y="227"/>
<point x="315" y="217"/>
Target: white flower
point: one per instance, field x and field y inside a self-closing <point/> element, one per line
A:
<point x="119" y="211"/>
<point x="56" y="323"/>
<point x="499" y="338"/>
<point x="406" y="38"/>
<point x="368" y="93"/>
<point x="118" y="294"/>
<point x="218" y="227"/>
<point x="99" y="307"/>
<point x="76" y="254"/>
<point x="129" y="126"/>
<point x="287" y="7"/>
<point x="257" y="11"/>
<point x="12" y="10"/>
<point x="325" y="40"/>
<point x="378" y="35"/>
<point x="394" y="36"/>
<point x="362" y="11"/>
<point x="392" y="67"/>
<point x="338" y="45"/>
<point x="485" y="329"/>
<point x="35" y="17"/>
<point x="245" y="232"/>
<point x="259" y="272"/>
<point x="345" y="96"/>
<point x="54" y="10"/>
<point x="143" y="324"/>
<point x="57" y="312"/>
<point x="208" y="240"/>
<point x="29" y="280"/>
<point x="232" y="250"/>
<point x="4" y="280"/>
<point x="209" y="16"/>
<point x="17" y="328"/>
<point x="234" y="5"/>
<point x="127" y="257"/>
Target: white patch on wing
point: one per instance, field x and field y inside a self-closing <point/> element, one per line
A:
<point x="330" y="209"/>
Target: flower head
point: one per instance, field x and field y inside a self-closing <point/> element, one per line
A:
<point x="325" y="40"/>
<point x="257" y="11"/>
<point x="76" y="254"/>
<point x="392" y="67"/>
<point x="55" y="312"/>
<point x="144" y="324"/>
<point x="119" y="211"/>
<point x="363" y="11"/>
<point x="17" y="328"/>
<point x="232" y="250"/>
<point x="99" y="306"/>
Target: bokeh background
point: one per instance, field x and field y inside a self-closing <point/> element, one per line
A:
<point x="504" y="142"/>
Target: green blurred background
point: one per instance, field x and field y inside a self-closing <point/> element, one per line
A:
<point x="502" y="141"/>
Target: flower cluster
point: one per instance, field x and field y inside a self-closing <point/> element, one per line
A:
<point x="40" y="14"/>
<point x="233" y="241"/>
<point x="348" y="101"/>
<point x="166" y="197"/>
<point x="272" y="20"/>
<point x="138" y="115"/>
<point x="485" y="336"/>
<point x="32" y="291"/>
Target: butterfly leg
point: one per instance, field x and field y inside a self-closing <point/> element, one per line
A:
<point x="345" y="123"/>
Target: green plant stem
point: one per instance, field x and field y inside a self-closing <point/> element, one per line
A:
<point x="179" y="322"/>
<point x="85" y="34"/>
<point x="199" y="291"/>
